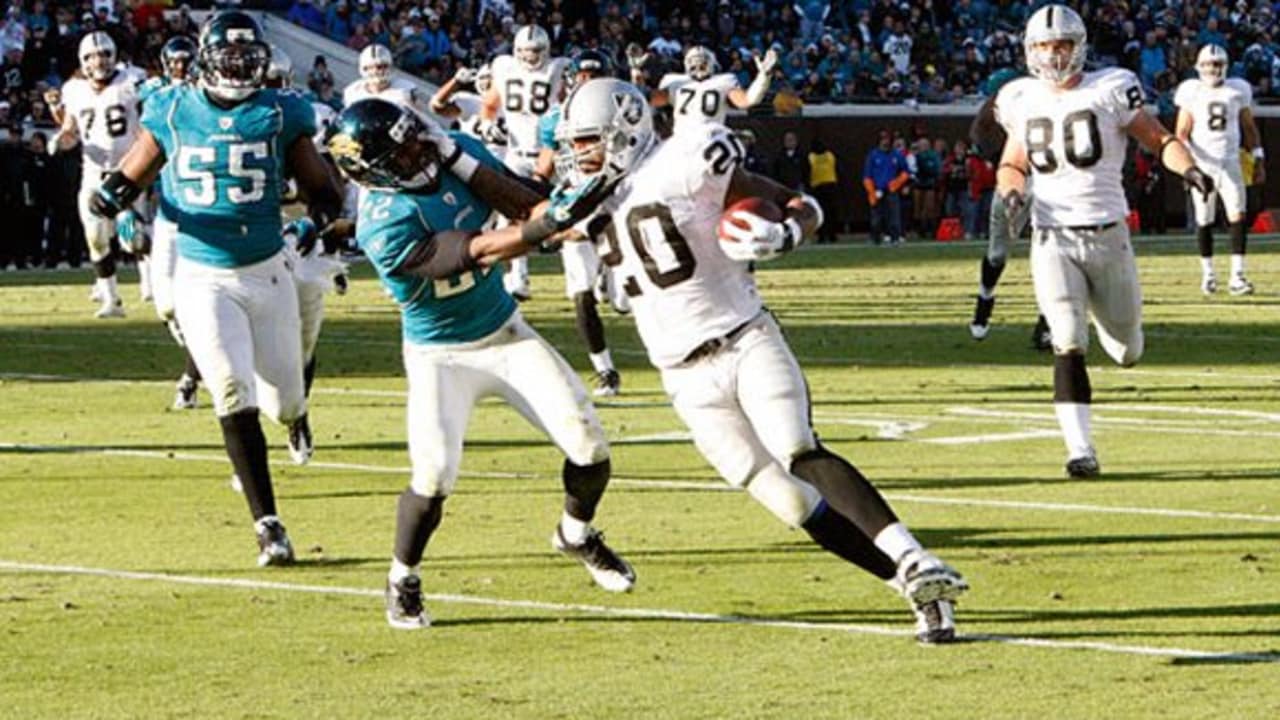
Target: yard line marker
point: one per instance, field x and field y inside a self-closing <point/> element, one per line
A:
<point x="714" y="486"/>
<point x="993" y="438"/>
<point x="631" y="613"/>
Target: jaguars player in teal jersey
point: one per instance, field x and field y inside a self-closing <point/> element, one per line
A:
<point x="581" y="260"/>
<point x="177" y="59"/>
<point x="228" y="143"/>
<point x="421" y="226"/>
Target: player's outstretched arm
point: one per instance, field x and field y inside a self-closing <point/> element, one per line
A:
<point x="1253" y="143"/>
<point x="743" y="99"/>
<point x="504" y="192"/>
<point x="137" y="170"/>
<point x="442" y="102"/>
<point x="1171" y="151"/>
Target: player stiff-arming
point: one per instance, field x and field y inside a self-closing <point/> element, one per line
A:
<point x="723" y="360"/>
<point x="230" y="142"/>
<point x="1212" y="111"/>
<point x="1069" y="130"/>
<point x="427" y="196"/>
<point x="101" y="109"/>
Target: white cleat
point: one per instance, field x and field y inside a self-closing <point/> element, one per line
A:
<point x="924" y="578"/>
<point x="274" y="547"/>
<point x="979" y="332"/>
<point x="607" y="568"/>
<point x="1240" y="285"/>
<point x="1209" y="284"/>
<point x="110" y="309"/>
<point x="404" y="604"/>
<point x="935" y="622"/>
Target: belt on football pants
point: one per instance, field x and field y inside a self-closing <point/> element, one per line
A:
<point x="1094" y="228"/>
<point x="712" y="346"/>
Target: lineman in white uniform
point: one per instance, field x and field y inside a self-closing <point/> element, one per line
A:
<point x="525" y="86"/>
<point x="102" y="109"/>
<point x="1069" y="129"/>
<point x="700" y="95"/>
<point x="722" y="357"/>
<point x="1212" y="112"/>
<point x="375" y="65"/>
<point x="451" y="102"/>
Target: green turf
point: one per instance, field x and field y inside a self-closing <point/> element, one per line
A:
<point x="96" y="473"/>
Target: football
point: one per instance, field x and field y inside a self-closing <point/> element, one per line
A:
<point x="759" y="207"/>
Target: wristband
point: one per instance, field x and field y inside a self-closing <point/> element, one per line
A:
<point x="120" y="187"/>
<point x="813" y="204"/>
<point x="795" y="234"/>
<point x="462" y="165"/>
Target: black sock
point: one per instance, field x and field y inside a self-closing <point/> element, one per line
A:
<point x="106" y="267"/>
<point x="247" y="448"/>
<point x="1071" y="379"/>
<point x="1204" y="238"/>
<point x="308" y="375"/>
<point x="1238" y="239"/>
<point x="583" y="487"/>
<point x="837" y="535"/>
<point x="990" y="274"/>
<point x="192" y="371"/>
<point x="845" y="489"/>
<point x="589" y="326"/>
<point x="416" y="518"/>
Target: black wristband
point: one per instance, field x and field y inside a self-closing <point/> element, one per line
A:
<point x="1013" y="167"/>
<point x="537" y="230"/>
<point x="124" y="190"/>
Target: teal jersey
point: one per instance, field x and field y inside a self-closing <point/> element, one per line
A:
<point x="459" y="309"/>
<point x="227" y="169"/>
<point x="151" y="86"/>
<point x="547" y="125"/>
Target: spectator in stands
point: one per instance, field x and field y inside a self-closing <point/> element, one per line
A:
<point x="883" y="175"/>
<point x="982" y="185"/>
<point x="751" y="159"/>
<point x="319" y="75"/>
<point x="1152" y="61"/>
<point x="32" y="201"/>
<point x="791" y="167"/>
<point x="925" y="203"/>
<point x="337" y="21"/>
<point x="955" y="178"/>
<point x="307" y="15"/>
<point x="823" y="186"/>
<point x="436" y="39"/>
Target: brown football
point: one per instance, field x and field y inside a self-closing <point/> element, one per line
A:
<point x="759" y="207"/>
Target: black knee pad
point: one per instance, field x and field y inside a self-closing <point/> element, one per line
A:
<point x="583" y="487"/>
<point x="416" y="518"/>
<point x="991" y="273"/>
<point x="1071" y="379"/>
<point x="1237" y="238"/>
<point x="1204" y="239"/>
<point x="106" y="267"/>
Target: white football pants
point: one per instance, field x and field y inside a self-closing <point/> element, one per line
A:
<point x="1228" y="184"/>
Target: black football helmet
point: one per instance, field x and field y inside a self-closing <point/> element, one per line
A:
<point x="589" y="65"/>
<point x="379" y="144"/>
<point x="178" y="57"/>
<point x="233" y="55"/>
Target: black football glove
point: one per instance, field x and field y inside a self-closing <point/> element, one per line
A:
<point x="1196" y="178"/>
<point x="1014" y="203"/>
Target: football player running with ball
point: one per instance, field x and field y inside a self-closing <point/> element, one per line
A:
<point x="231" y="142"/>
<point x="427" y="194"/>
<point x="1213" y="110"/>
<point x="1068" y="129"/>
<point x="723" y="360"/>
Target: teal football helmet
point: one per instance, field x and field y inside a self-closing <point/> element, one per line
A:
<point x="382" y="145"/>
<point x="234" y="55"/>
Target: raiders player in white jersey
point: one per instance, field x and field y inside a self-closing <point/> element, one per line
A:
<point x="99" y="109"/>
<point x="525" y="85"/>
<point x="700" y="95"/>
<point x="1069" y="130"/>
<point x="452" y="102"/>
<point x="375" y="64"/>
<point x="722" y="357"/>
<point x="1213" y="111"/>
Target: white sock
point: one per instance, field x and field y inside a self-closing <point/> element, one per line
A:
<point x="601" y="361"/>
<point x="1073" y="418"/>
<point x="111" y="286"/>
<point x="1237" y="265"/>
<point x="144" y="276"/>
<point x="573" y="529"/>
<point x="1206" y="266"/>
<point x="896" y="540"/>
<point x="400" y="571"/>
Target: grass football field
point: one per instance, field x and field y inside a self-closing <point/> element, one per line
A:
<point x="128" y="587"/>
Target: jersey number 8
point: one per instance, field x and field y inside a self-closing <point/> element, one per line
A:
<point x="205" y="192"/>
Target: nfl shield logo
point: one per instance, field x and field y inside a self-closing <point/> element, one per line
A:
<point x="224" y="123"/>
<point x="449" y="199"/>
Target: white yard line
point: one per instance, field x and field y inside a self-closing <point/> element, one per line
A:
<point x="993" y="438"/>
<point x="629" y="613"/>
<point x="625" y="481"/>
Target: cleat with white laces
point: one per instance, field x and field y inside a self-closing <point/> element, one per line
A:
<point x="1240" y="285"/>
<point x="935" y="622"/>
<point x="301" y="446"/>
<point x="607" y="568"/>
<point x="608" y="383"/>
<point x="1209" y="284"/>
<point x="924" y="578"/>
<point x="274" y="547"/>
<point x="404" y="604"/>
<point x="184" y="394"/>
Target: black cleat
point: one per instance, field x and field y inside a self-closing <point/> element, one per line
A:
<point x="1084" y="467"/>
<point x="274" y="547"/>
<point x="184" y="395"/>
<point x="608" y="383"/>
<point x="607" y="568"/>
<point x="404" y="604"/>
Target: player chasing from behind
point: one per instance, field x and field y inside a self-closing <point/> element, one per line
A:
<point x="1068" y="129"/>
<point x="1212" y="112"/>
<point x="723" y="360"/>
<point x="427" y="196"/>
<point x="232" y="142"/>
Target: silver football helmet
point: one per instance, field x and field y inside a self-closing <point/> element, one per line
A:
<point x="1212" y="64"/>
<point x="1050" y="23"/>
<point x="532" y="47"/>
<point x="97" y="56"/>
<point x="699" y="63"/>
<point x="605" y="127"/>
<point x="375" y="66"/>
<point x="484" y="78"/>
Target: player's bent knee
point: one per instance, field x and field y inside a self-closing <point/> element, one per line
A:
<point x="231" y="395"/>
<point x="432" y="479"/>
<point x="790" y="500"/>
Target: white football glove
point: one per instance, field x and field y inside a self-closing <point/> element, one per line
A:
<point x="767" y="63"/>
<point x="464" y="76"/>
<point x="761" y="239"/>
